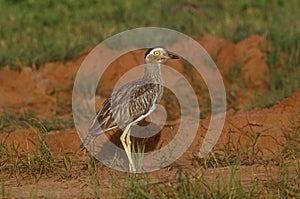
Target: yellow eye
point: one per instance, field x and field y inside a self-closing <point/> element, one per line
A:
<point x="156" y="53"/>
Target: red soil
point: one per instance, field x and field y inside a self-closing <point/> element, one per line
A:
<point x="260" y="131"/>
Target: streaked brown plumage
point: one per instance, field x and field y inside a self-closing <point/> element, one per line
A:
<point x="132" y="102"/>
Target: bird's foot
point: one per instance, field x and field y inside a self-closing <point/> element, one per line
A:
<point x="132" y="168"/>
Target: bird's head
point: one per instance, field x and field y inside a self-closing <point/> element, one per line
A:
<point x="158" y="55"/>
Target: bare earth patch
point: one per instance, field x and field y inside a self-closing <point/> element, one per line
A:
<point x="253" y="138"/>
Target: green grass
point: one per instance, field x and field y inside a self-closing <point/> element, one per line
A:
<point x="284" y="67"/>
<point x="35" y="31"/>
<point x="25" y="119"/>
<point x="216" y="176"/>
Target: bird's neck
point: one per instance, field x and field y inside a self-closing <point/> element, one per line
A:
<point x="152" y="72"/>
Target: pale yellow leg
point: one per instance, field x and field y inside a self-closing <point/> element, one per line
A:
<point x="125" y="139"/>
<point x="128" y="141"/>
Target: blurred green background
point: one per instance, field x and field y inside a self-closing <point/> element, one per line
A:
<point x="36" y="31"/>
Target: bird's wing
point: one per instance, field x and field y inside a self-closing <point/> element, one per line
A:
<point x="103" y="121"/>
<point x="143" y="98"/>
<point x="125" y="106"/>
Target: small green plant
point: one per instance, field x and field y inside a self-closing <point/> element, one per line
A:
<point x="138" y="149"/>
<point x="10" y="121"/>
<point x="33" y="39"/>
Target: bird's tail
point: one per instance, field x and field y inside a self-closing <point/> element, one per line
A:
<point x="87" y="140"/>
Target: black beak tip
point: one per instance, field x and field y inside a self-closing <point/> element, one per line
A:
<point x="173" y="56"/>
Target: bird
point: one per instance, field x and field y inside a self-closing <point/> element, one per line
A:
<point x="132" y="102"/>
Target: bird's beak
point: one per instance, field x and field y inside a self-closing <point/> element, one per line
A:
<point x="172" y="56"/>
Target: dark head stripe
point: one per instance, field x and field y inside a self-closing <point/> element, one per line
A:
<point x="150" y="49"/>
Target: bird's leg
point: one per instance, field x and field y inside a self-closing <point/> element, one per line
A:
<point x="125" y="139"/>
<point x="128" y="142"/>
<point x="122" y="138"/>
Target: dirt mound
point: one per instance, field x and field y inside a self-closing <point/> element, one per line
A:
<point x="258" y="135"/>
<point x="243" y="65"/>
<point x="41" y="91"/>
<point x="45" y="91"/>
<point x="248" y="56"/>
